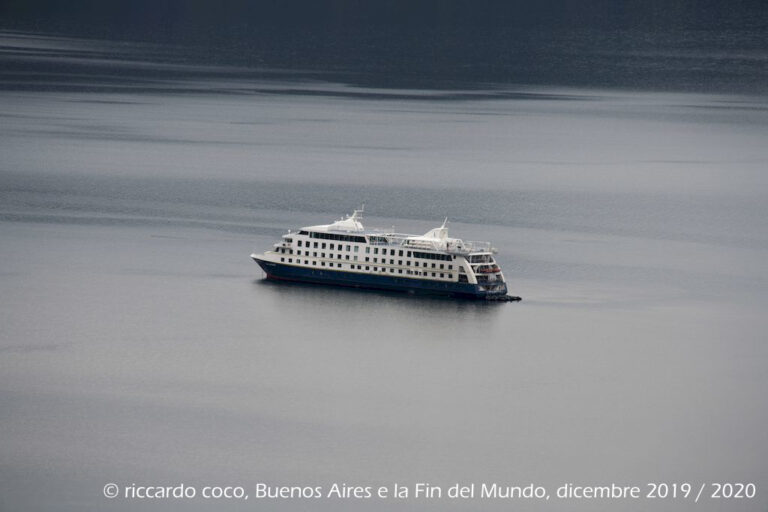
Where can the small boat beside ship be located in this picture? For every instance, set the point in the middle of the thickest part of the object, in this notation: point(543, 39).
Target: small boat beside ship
point(343, 253)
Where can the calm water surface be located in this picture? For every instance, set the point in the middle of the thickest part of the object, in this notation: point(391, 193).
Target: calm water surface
point(139, 343)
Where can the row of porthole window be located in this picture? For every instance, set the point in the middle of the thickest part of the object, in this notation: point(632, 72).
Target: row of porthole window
point(392, 252)
point(367, 259)
point(332, 247)
point(368, 267)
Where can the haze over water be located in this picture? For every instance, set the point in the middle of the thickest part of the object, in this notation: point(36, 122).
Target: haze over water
point(139, 343)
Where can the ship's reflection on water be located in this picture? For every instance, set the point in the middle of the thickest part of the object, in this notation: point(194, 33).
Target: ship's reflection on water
point(346, 297)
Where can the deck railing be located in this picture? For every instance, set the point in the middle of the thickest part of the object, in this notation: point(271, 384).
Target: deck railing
point(455, 246)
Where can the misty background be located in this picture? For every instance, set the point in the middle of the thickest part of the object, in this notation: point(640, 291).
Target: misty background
point(659, 45)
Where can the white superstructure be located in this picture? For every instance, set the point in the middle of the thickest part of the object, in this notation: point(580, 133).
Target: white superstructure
point(432, 261)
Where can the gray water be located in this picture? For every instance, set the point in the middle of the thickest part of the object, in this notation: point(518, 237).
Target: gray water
point(140, 344)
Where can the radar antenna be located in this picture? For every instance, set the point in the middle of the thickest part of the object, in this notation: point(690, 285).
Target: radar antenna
point(358, 214)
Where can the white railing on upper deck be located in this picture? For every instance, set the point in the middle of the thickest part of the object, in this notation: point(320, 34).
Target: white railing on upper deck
point(480, 246)
point(452, 245)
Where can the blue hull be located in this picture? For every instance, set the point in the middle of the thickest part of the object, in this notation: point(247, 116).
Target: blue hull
point(380, 282)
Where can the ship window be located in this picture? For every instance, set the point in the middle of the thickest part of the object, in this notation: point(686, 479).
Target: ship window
point(400, 253)
point(347, 256)
point(315, 246)
point(314, 263)
point(323, 245)
point(409, 254)
point(302, 232)
point(450, 267)
point(374, 269)
point(356, 248)
point(367, 250)
point(322, 263)
point(282, 259)
point(441, 275)
point(433, 265)
point(399, 262)
point(367, 268)
point(391, 262)
point(349, 248)
point(376, 250)
point(375, 260)
point(322, 255)
point(391, 271)
point(367, 258)
point(330, 246)
point(442, 266)
point(408, 263)
point(359, 267)
point(338, 265)
point(299, 243)
point(399, 271)
point(355, 258)
point(433, 274)
point(314, 254)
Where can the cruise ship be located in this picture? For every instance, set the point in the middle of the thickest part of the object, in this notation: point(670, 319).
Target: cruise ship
point(344, 253)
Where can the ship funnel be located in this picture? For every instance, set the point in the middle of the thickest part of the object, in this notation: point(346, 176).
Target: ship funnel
point(440, 233)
